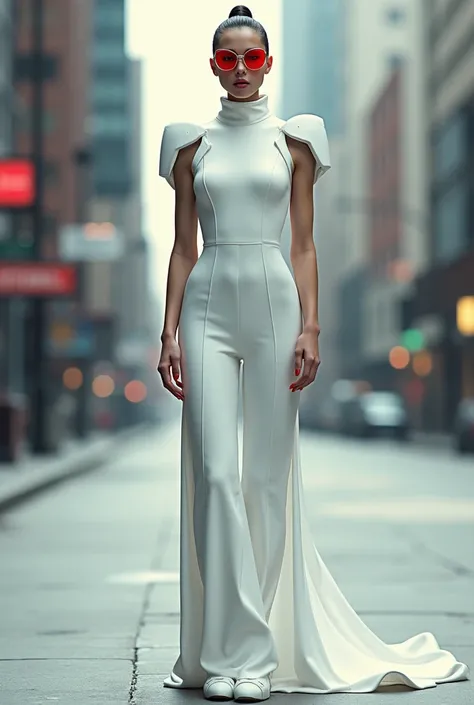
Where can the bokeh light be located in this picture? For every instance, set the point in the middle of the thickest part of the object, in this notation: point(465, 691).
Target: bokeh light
point(399, 357)
point(103, 386)
point(135, 391)
point(422, 363)
point(72, 378)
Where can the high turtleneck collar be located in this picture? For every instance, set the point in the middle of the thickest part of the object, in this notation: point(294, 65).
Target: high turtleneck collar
point(236, 112)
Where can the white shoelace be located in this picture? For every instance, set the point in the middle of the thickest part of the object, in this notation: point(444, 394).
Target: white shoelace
point(261, 683)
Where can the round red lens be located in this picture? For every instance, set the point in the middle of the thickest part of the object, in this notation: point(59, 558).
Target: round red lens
point(225, 60)
point(254, 59)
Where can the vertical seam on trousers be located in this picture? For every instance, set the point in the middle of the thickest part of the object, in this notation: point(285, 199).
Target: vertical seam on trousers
point(238, 296)
point(270, 459)
point(211, 278)
point(202, 379)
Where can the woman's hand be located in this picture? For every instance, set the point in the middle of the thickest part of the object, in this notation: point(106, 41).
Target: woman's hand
point(307, 352)
point(170, 359)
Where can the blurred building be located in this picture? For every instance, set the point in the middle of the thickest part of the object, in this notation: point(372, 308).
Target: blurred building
point(132, 290)
point(441, 304)
point(383, 201)
point(313, 66)
point(398, 213)
point(313, 82)
point(65, 74)
point(109, 129)
point(92, 201)
point(65, 71)
point(6, 90)
point(118, 291)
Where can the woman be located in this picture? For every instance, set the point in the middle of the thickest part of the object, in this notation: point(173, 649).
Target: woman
point(256, 598)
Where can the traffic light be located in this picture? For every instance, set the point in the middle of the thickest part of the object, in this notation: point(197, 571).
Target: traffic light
point(413, 340)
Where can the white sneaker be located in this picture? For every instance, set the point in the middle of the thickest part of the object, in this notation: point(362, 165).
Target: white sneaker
point(219, 688)
point(252, 690)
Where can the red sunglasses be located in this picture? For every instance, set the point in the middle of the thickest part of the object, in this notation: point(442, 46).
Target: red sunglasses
point(254, 59)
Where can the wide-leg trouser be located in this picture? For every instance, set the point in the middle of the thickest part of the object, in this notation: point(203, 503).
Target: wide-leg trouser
point(240, 303)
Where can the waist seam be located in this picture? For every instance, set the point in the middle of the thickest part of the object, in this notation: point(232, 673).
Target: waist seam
point(242, 242)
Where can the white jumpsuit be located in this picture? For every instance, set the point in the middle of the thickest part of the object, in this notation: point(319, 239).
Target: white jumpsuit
point(256, 597)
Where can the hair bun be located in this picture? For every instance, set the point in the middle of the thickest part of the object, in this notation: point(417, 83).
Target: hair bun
point(240, 10)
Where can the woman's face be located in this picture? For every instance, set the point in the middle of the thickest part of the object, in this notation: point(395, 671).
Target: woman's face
point(239, 40)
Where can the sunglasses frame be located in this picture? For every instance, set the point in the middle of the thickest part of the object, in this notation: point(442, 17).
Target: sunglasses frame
point(240, 56)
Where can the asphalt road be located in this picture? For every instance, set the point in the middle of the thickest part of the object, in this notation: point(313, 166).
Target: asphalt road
point(88, 571)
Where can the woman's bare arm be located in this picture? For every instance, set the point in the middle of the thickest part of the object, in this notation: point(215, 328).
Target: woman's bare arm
point(304, 261)
point(182, 259)
point(184, 253)
point(303, 251)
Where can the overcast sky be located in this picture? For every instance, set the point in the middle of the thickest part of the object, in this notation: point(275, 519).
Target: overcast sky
point(175, 45)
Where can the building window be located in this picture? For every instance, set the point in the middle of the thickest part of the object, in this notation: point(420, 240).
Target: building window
point(110, 15)
point(49, 122)
point(109, 92)
point(108, 50)
point(110, 124)
point(450, 222)
point(51, 173)
point(50, 223)
point(450, 148)
point(51, 14)
point(24, 67)
point(23, 120)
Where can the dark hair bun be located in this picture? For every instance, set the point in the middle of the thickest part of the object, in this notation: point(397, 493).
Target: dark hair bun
point(240, 10)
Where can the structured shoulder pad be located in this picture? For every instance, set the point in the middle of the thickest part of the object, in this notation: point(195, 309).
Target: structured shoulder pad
point(176, 135)
point(310, 129)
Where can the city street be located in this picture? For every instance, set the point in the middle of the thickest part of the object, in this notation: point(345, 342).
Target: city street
point(89, 582)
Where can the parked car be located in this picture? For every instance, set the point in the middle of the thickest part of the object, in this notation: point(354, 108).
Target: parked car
point(464, 426)
point(376, 414)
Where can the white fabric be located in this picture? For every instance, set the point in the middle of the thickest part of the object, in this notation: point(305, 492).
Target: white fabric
point(310, 130)
point(175, 137)
point(256, 597)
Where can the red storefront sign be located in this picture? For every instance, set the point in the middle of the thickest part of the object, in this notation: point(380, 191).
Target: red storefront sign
point(37, 279)
point(17, 183)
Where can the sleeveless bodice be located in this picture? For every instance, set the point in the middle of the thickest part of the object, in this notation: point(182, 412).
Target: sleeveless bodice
point(243, 172)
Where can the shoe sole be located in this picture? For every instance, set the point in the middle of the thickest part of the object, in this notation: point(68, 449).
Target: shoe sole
point(249, 699)
point(219, 698)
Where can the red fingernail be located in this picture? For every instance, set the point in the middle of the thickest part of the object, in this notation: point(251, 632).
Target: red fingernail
point(297, 371)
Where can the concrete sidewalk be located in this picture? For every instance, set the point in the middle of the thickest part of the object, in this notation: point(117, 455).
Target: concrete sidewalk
point(34, 474)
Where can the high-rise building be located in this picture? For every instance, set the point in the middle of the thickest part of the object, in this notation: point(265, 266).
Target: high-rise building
point(132, 284)
point(109, 127)
point(6, 90)
point(6, 36)
point(376, 40)
point(313, 82)
point(66, 28)
point(383, 196)
point(441, 305)
point(118, 290)
point(313, 60)
point(110, 115)
point(397, 201)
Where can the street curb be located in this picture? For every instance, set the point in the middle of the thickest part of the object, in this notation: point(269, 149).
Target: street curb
point(78, 466)
point(437, 440)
